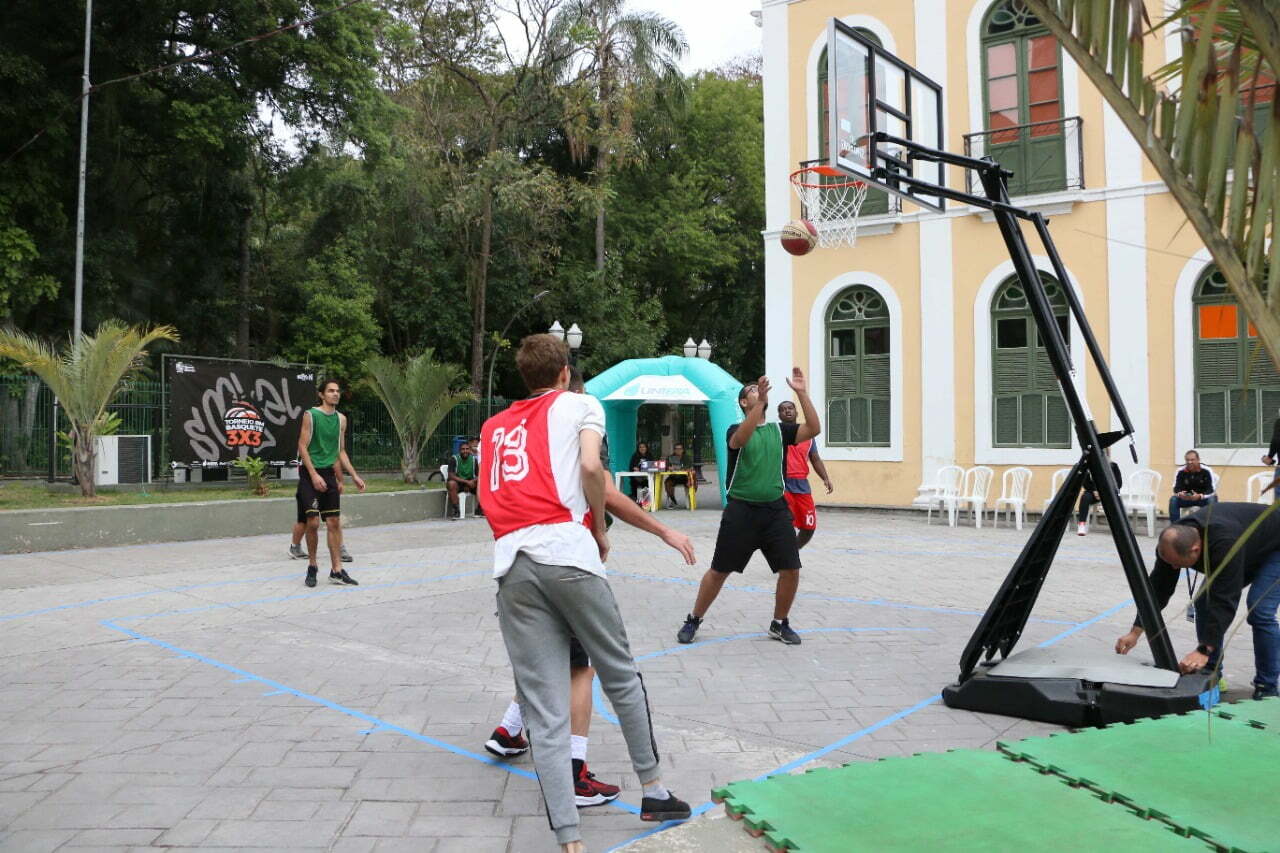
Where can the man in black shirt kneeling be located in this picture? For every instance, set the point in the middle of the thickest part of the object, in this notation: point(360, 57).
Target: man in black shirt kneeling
point(1201, 542)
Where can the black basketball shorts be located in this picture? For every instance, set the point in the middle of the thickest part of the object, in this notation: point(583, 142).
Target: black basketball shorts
point(749, 527)
point(311, 502)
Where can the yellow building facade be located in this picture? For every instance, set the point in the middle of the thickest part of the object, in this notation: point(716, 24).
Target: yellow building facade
point(931, 373)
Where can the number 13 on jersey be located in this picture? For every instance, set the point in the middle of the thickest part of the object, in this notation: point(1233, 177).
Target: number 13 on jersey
point(510, 458)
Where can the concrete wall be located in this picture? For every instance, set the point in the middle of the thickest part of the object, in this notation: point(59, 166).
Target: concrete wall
point(59, 529)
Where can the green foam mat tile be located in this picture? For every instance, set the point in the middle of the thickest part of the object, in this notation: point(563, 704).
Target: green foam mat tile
point(963, 800)
point(1262, 713)
point(1204, 774)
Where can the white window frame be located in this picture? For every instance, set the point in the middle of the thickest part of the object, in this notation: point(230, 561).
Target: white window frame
point(818, 366)
point(984, 450)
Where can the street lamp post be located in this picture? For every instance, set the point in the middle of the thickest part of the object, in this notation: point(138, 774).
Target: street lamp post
point(493, 356)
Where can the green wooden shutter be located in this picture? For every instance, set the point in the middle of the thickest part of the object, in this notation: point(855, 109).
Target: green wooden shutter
point(1244, 417)
point(1212, 417)
point(838, 421)
point(1006, 420)
point(859, 420)
point(1217, 363)
point(1032, 419)
point(880, 420)
point(1057, 422)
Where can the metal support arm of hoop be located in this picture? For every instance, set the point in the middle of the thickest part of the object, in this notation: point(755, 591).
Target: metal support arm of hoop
point(831, 200)
point(1001, 626)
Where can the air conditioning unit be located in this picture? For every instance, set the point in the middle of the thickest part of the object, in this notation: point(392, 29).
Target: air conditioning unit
point(123, 459)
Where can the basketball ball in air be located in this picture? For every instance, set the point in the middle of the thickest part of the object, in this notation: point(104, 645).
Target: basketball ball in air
point(799, 236)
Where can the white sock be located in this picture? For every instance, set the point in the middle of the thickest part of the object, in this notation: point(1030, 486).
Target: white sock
point(656, 791)
point(578, 744)
point(512, 721)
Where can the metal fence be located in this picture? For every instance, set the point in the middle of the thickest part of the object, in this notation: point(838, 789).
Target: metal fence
point(26, 408)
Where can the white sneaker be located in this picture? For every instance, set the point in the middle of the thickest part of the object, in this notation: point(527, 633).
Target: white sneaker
point(1082, 528)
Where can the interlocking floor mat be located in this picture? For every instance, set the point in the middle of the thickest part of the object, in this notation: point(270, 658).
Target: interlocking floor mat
point(963, 800)
point(1264, 714)
point(1210, 776)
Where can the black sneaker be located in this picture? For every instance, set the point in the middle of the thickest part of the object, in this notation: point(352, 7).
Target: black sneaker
point(781, 630)
point(672, 808)
point(343, 577)
point(690, 627)
point(311, 575)
point(1264, 693)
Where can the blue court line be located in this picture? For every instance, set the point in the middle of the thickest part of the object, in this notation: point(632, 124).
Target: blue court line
point(597, 694)
point(375, 723)
point(1110, 611)
point(816, 596)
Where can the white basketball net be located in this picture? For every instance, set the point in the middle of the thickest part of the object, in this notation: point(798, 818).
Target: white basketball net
point(831, 201)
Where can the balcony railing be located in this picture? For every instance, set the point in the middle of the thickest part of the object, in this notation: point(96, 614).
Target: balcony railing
point(1044, 156)
point(877, 203)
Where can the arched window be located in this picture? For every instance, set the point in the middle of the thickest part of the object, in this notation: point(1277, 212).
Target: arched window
point(1237, 387)
point(858, 369)
point(877, 201)
point(1022, 92)
point(1029, 409)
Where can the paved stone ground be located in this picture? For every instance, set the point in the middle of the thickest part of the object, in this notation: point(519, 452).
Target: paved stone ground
point(197, 695)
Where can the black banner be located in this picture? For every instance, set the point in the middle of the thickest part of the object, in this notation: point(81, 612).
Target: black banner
point(220, 411)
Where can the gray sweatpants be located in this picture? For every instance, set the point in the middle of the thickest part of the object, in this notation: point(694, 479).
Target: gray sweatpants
point(539, 607)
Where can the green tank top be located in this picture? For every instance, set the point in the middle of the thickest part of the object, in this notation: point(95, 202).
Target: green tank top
point(757, 470)
point(323, 447)
point(465, 468)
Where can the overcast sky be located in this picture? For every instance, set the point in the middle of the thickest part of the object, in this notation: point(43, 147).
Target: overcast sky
point(717, 30)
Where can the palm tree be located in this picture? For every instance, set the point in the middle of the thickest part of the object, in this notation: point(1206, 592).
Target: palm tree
point(86, 378)
point(1221, 167)
point(618, 54)
point(418, 393)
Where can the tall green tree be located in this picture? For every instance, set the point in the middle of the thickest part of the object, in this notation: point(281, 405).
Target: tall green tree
point(86, 377)
point(619, 57)
point(688, 217)
point(177, 159)
point(480, 76)
point(1221, 165)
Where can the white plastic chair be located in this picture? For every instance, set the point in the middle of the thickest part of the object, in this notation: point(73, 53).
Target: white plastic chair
point(1014, 486)
point(462, 496)
point(973, 495)
point(933, 495)
point(1059, 477)
point(1139, 495)
point(1255, 485)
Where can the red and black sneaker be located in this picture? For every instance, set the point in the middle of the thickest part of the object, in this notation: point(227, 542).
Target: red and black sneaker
point(588, 790)
point(504, 745)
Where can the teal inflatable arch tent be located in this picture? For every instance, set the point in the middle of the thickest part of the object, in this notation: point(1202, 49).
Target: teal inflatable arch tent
point(672, 379)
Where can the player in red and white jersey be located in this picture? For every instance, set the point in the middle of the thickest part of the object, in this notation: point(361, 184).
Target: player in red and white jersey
point(543, 488)
point(795, 479)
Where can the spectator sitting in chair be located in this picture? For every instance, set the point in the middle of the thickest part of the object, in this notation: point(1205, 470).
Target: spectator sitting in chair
point(642, 454)
point(462, 478)
point(1089, 496)
point(1192, 486)
point(679, 460)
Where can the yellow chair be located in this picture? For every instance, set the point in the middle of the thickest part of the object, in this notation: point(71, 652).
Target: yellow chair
point(690, 487)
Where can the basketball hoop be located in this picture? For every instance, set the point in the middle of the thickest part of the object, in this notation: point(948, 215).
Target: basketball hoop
point(831, 200)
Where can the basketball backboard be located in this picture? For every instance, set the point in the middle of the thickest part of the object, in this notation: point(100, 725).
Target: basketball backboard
point(872, 90)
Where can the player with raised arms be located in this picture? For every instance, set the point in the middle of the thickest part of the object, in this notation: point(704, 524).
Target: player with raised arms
point(756, 516)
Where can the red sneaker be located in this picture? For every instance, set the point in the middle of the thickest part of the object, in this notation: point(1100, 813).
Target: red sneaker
point(588, 790)
point(504, 745)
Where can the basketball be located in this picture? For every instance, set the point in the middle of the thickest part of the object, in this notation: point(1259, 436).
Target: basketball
point(799, 236)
